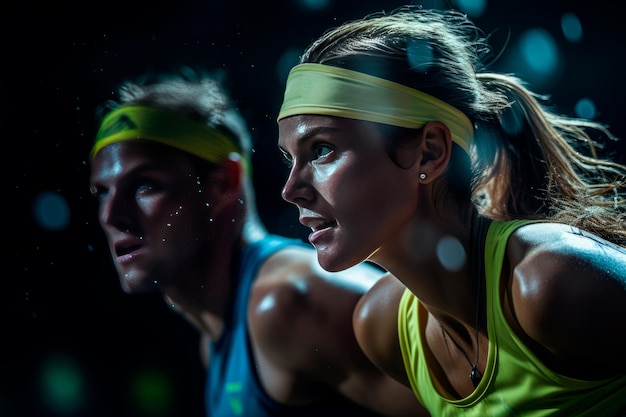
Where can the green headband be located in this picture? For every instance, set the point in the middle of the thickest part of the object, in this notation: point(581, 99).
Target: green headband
point(166, 127)
point(328, 90)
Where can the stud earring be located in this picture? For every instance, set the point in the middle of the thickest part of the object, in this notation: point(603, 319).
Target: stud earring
point(422, 176)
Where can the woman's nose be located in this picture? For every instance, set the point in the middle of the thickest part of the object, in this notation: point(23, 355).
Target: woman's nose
point(296, 188)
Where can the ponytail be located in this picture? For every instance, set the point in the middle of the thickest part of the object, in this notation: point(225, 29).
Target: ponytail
point(538, 164)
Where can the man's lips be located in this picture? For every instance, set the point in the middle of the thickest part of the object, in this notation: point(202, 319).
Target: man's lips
point(126, 247)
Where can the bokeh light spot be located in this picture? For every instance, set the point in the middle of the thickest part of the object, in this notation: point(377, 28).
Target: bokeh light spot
point(585, 108)
point(62, 385)
point(152, 393)
point(420, 55)
point(571, 27)
point(539, 51)
point(287, 60)
point(315, 5)
point(512, 121)
point(474, 8)
point(451, 253)
point(51, 211)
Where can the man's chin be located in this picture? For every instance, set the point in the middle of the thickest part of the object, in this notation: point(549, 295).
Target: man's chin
point(137, 283)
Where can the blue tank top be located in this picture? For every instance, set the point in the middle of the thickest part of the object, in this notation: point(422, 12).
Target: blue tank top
point(233, 388)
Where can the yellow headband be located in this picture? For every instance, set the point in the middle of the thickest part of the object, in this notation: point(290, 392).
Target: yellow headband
point(164, 126)
point(328, 90)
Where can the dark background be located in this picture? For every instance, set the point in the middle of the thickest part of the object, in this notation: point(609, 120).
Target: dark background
point(73, 343)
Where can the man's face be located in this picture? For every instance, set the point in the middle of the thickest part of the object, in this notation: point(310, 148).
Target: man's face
point(154, 210)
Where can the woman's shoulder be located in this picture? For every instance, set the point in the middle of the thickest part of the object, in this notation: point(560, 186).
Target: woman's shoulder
point(560, 261)
point(563, 285)
point(542, 241)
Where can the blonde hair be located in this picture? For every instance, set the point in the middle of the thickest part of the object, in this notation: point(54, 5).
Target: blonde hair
point(526, 160)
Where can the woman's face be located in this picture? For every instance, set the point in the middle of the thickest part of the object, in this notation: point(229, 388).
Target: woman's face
point(348, 191)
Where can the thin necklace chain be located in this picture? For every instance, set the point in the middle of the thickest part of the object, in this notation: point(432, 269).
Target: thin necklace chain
point(475, 375)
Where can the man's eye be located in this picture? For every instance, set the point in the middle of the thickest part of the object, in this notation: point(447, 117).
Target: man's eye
point(97, 191)
point(145, 187)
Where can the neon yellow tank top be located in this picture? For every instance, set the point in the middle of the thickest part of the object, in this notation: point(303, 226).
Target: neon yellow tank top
point(515, 382)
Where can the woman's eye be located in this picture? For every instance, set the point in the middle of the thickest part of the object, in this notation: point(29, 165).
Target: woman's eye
point(286, 158)
point(322, 150)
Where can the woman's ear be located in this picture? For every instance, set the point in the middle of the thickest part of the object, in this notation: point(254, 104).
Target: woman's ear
point(435, 150)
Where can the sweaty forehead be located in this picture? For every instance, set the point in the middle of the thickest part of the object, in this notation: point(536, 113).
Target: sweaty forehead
point(141, 148)
point(294, 130)
point(122, 156)
point(304, 125)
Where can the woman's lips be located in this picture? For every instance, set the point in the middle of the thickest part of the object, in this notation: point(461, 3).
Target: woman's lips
point(319, 230)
